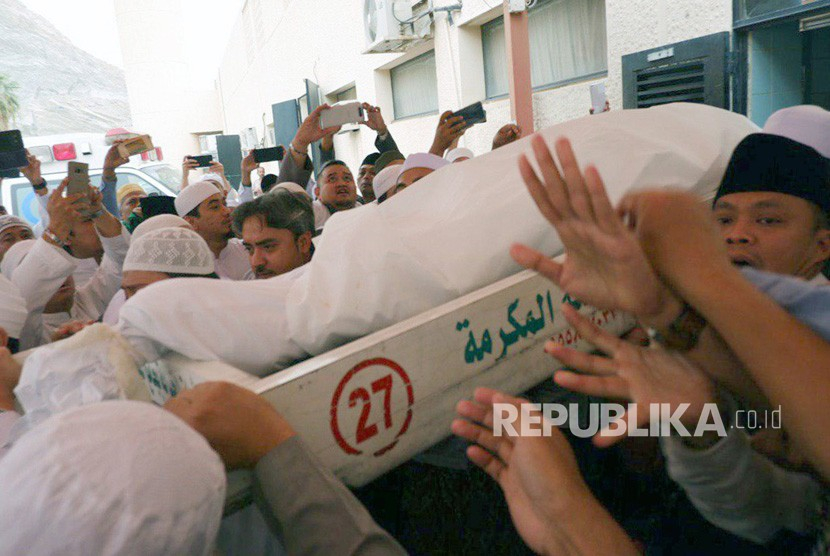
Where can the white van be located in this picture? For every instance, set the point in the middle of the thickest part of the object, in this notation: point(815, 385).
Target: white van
point(56, 151)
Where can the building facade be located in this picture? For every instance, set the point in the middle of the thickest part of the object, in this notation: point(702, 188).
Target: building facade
point(752, 56)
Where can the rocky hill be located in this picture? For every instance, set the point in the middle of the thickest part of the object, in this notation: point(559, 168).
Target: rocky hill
point(62, 87)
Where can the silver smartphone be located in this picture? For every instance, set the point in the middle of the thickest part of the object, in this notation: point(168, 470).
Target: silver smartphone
point(78, 178)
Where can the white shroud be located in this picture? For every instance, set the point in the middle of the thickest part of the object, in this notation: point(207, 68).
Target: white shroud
point(449, 235)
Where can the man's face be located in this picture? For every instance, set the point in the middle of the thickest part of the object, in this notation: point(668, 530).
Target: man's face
point(84, 241)
point(364, 180)
point(3, 211)
point(214, 220)
point(130, 203)
point(63, 299)
point(337, 187)
point(273, 251)
point(12, 235)
point(134, 280)
point(773, 232)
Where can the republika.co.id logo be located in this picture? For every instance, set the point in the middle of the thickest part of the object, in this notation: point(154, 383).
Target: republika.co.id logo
point(534, 419)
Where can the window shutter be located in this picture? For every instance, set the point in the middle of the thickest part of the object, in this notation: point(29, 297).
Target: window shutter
point(690, 71)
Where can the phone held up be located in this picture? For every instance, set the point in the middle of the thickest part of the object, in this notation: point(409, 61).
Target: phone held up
point(342, 113)
point(269, 154)
point(473, 114)
point(203, 160)
point(135, 145)
point(12, 151)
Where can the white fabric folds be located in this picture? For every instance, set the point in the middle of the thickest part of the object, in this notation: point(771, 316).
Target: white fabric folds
point(444, 237)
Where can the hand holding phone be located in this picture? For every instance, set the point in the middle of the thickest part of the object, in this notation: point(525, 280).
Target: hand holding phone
point(270, 154)
point(473, 114)
point(78, 178)
point(202, 160)
point(347, 112)
point(135, 145)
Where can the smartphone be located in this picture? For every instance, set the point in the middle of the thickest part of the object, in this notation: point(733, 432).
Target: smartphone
point(473, 114)
point(346, 112)
point(269, 155)
point(78, 178)
point(135, 145)
point(10, 173)
point(157, 204)
point(204, 160)
point(12, 151)
point(598, 98)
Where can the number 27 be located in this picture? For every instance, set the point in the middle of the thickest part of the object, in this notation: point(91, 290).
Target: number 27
point(361, 394)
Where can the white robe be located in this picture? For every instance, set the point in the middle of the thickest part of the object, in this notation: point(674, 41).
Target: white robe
point(47, 267)
point(233, 262)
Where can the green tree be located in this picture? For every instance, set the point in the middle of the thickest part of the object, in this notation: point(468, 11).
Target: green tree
point(9, 104)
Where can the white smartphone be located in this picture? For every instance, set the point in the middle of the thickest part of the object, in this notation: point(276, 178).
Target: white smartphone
point(598, 98)
point(347, 112)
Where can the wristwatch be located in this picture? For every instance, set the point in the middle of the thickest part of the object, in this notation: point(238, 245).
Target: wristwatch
point(684, 331)
point(41, 185)
point(54, 237)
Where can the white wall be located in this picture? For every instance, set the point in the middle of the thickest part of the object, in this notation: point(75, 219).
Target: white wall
point(162, 102)
point(275, 44)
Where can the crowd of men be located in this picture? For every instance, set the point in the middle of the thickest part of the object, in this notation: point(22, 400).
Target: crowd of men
point(697, 275)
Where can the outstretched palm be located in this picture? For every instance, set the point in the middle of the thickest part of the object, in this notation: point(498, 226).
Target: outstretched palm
point(604, 264)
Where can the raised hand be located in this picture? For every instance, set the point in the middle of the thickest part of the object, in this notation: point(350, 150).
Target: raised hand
point(643, 376)
point(310, 130)
point(374, 119)
point(550, 504)
point(604, 264)
point(113, 160)
point(506, 135)
point(32, 169)
point(63, 213)
point(450, 128)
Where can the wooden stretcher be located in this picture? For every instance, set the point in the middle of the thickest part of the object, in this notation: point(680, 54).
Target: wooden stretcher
point(374, 403)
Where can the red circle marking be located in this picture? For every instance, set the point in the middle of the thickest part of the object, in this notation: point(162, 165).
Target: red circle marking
point(335, 401)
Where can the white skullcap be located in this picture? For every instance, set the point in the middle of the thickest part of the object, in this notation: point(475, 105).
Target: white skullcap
point(386, 180)
point(460, 152)
point(216, 179)
point(423, 160)
point(11, 221)
point(157, 223)
point(178, 250)
point(806, 124)
point(290, 186)
point(194, 195)
point(15, 255)
point(112, 478)
point(13, 310)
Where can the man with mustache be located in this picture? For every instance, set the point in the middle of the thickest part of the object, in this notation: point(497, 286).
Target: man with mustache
point(276, 231)
point(336, 191)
